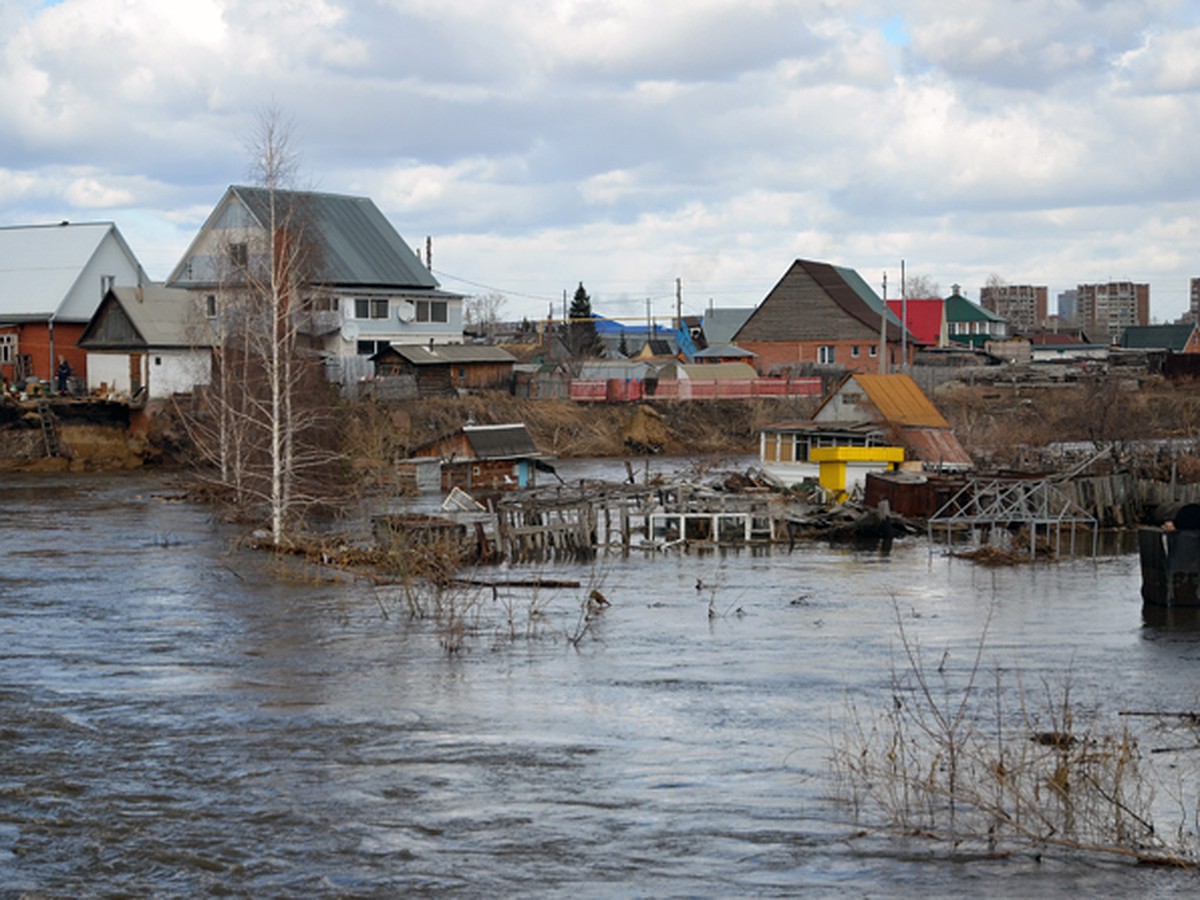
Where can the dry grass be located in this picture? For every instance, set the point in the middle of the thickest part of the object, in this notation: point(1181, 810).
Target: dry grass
point(999, 423)
point(1001, 769)
point(377, 434)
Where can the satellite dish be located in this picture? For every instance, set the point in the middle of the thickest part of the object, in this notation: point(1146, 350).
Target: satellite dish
point(406, 312)
point(349, 331)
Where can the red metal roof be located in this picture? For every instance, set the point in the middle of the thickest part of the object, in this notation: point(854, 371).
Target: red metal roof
point(925, 318)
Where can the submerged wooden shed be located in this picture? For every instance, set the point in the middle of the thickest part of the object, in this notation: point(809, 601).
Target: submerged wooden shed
point(487, 456)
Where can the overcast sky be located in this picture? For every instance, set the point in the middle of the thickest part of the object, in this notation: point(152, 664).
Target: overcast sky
point(627, 143)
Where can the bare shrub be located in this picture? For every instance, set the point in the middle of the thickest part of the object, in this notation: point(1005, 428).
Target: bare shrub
point(1000, 769)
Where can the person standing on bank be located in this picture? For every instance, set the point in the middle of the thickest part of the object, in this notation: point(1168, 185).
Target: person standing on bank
point(64, 374)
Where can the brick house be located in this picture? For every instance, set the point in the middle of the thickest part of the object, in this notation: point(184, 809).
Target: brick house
point(825, 316)
point(52, 279)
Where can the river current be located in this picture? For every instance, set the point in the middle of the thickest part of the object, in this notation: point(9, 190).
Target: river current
point(181, 717)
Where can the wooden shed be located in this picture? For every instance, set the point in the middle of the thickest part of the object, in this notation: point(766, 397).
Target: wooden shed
point(496, 457)
point(444, 369)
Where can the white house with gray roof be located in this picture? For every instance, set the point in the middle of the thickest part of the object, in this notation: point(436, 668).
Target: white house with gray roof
point(52, 279)
point(368, 289)
point(151, 341)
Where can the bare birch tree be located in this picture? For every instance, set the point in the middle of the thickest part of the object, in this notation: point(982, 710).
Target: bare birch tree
point(268, 434)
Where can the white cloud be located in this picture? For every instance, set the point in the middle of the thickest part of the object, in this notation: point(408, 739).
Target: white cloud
point(91, 193)
point(625, 143)
point(1166, 62)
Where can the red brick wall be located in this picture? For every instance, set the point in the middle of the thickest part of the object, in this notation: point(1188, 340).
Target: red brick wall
point(778, 354)
point(33, 340)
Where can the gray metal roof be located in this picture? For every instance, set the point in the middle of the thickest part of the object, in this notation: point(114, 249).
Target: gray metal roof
point(723, 351)
point(152, 316)
point(450, 354)
point(720, 325)
point(360, 246)
point(40, 264)
point(500, 441)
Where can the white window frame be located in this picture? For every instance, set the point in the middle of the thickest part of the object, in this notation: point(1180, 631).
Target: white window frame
point(827, 354)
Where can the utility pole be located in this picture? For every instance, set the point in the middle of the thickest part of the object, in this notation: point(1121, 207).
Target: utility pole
point(649, 321)
point(883, 331)
point(678, 304)
point(903, 320)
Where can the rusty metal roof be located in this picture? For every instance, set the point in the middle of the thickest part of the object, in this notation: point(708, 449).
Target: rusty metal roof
point(936, 447)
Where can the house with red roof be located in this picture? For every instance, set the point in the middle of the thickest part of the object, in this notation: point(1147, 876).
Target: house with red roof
point(925, 319)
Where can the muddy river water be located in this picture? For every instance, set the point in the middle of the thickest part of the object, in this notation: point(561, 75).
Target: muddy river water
point(179, 717)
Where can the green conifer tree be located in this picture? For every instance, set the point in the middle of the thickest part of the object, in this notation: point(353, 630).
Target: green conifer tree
point(583, 340)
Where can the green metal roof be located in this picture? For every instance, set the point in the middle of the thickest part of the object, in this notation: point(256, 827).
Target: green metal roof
point(1157, 337)
point(856, 283)
point(960, 309)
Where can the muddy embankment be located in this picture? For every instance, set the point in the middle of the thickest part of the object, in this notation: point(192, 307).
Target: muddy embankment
point(77, 437)
point(564, 429)
point(94, 438)
point(996, 424)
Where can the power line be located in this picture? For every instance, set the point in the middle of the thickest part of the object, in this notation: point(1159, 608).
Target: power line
point(554, 298)
point(496, 290)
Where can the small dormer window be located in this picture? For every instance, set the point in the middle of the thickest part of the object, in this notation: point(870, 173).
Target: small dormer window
point(238, 254)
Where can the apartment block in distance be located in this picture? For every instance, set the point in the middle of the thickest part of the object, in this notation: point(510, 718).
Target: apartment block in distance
point(1023, 305)
point(1106, 310)
point(1194, 302)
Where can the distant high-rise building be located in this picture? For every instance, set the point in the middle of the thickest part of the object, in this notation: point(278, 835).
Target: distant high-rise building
point(1194, 303)
point(1106, 310)
point(1068, 307)
point(1023, 305)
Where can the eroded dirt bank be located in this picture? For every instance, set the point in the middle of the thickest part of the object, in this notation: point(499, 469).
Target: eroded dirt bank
point(994, 423)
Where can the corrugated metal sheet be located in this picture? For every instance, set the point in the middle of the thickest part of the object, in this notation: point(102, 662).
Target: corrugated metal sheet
point(161, 316)
point(723, 351)
point(500, 441)
point(720, 325)
point(451, 354)
point(909, 494)
point(936, 447)
point(900, 401)
point(716, 371)
point(360, 245)
point(39, 264)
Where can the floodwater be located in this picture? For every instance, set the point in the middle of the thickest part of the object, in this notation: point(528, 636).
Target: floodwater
point(178, 717)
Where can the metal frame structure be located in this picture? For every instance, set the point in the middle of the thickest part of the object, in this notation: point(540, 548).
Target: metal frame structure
point(1002, 503)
